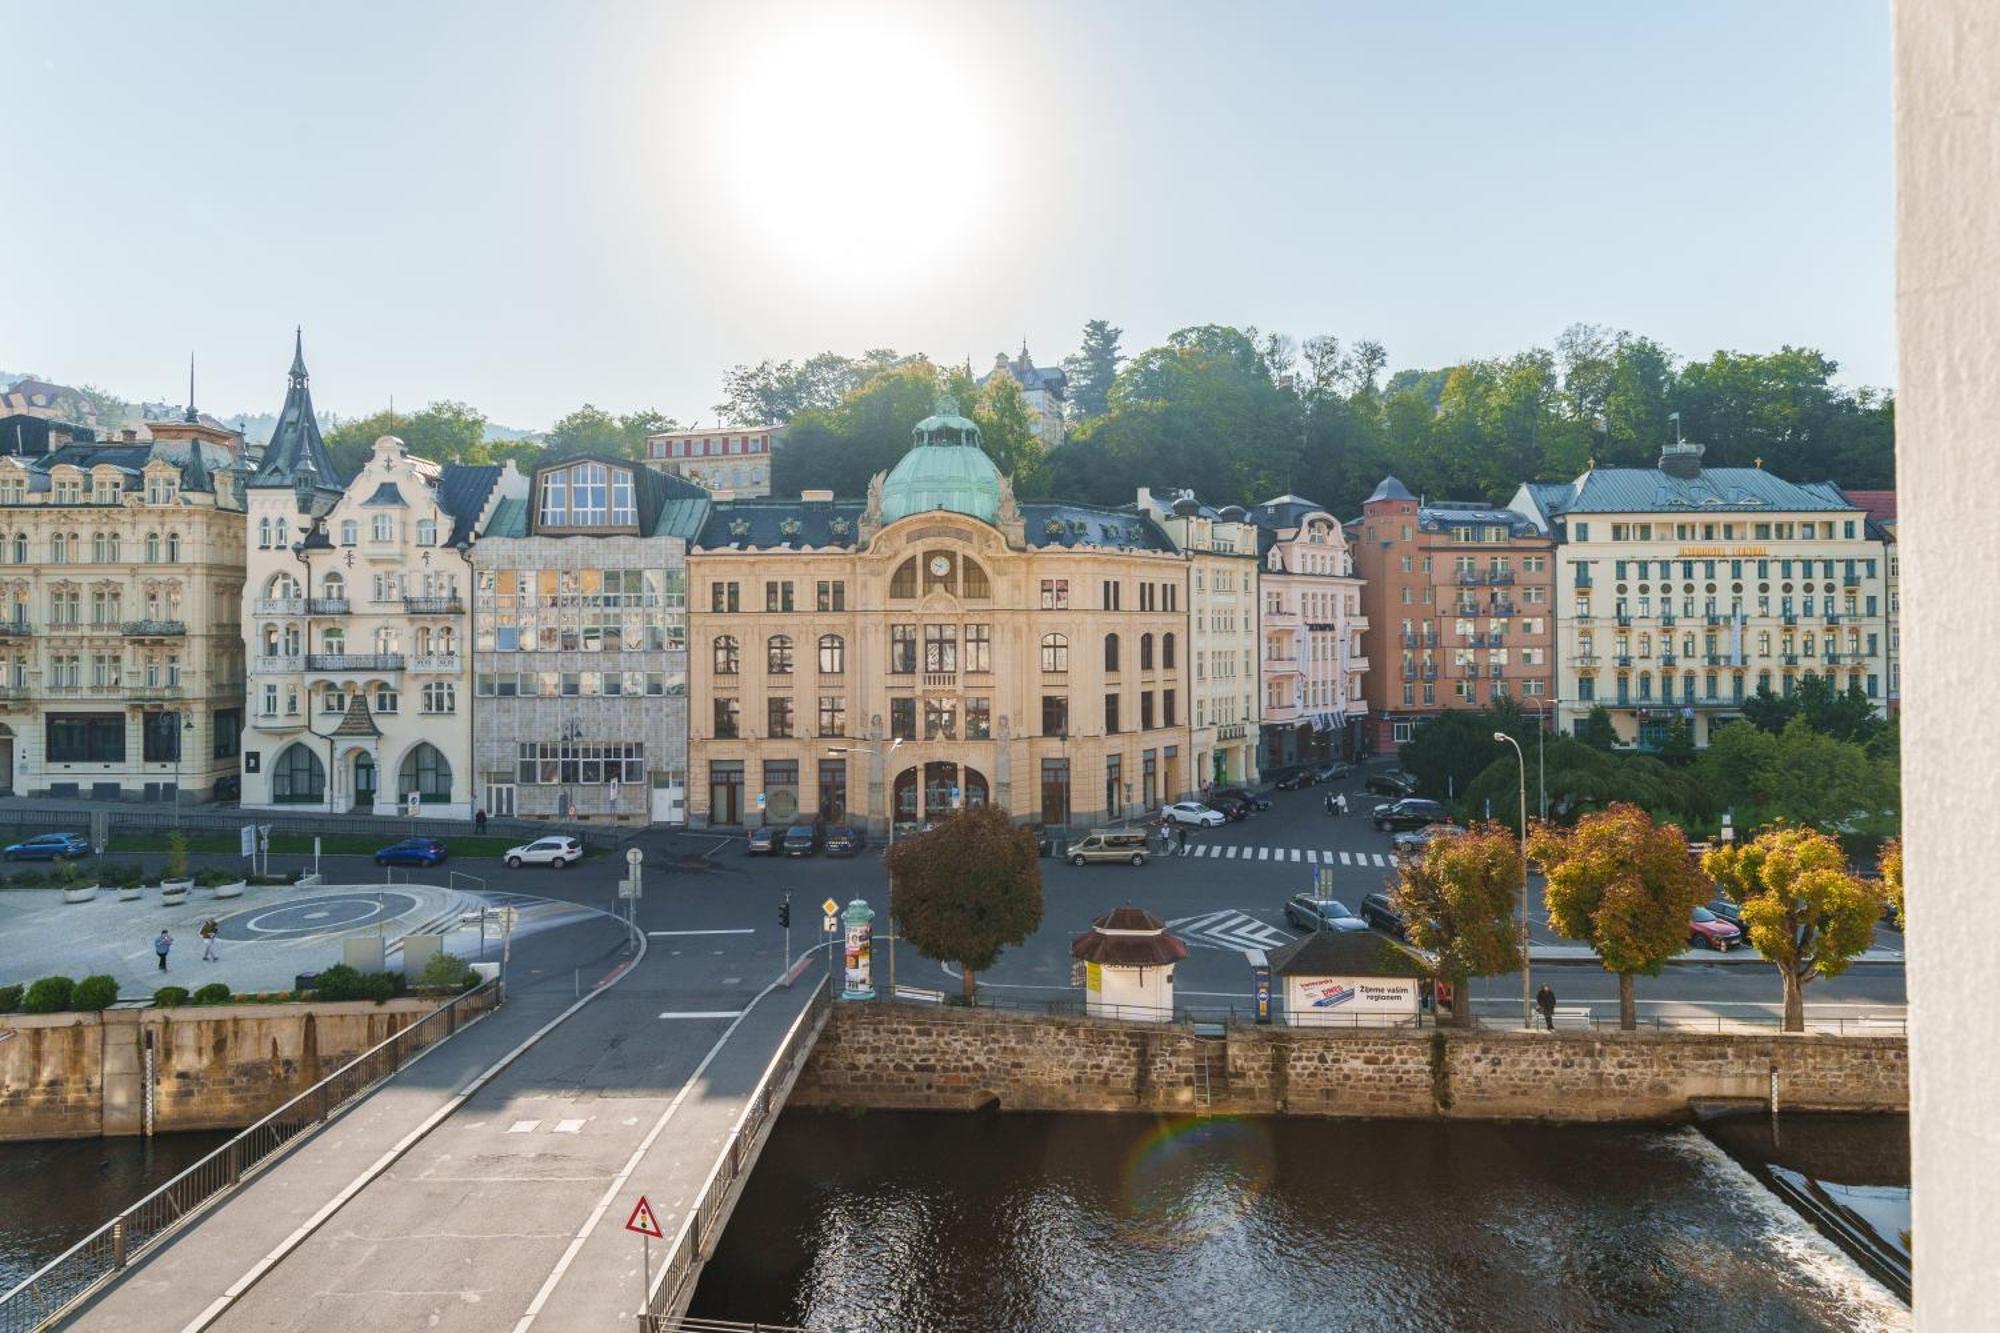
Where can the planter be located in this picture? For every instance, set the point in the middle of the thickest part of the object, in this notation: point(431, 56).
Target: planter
point(172, 897)
point(180, 886)
point(85, 894)
point(130, 893)
point(233, 889)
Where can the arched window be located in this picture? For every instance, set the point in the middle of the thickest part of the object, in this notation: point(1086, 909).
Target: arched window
point(153, 547)
point(350, 532)
point(270, 640)
point(904, 582)
point(976, 584)
point(59, 549)
point(284, 533)
point(425, 772)
point(1111, 652)
point(779, 655)
point(333, 587)
point(832, 655)
point(100, 548)
point(282, 587)
point(333, 640)
point(1055, 652)
point(1145, 652)
point(1167, 652)
point(728, 655)
point(20, 548)
point(298, 776)
point(173, 548)
point(291, 641)
point(263, 537)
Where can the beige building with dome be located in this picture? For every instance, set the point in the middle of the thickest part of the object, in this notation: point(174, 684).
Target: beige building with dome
point(937, 644)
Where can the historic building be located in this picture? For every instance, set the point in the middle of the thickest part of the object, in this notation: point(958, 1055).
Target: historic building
point(1310, 621)
point(122, 569)
point(356, 613)
point(1043, 389)
point(725, 460)
point(1881, 507)
point(1684, 589)
point(1460, 600)
point(939, 644)
point(580, 643)
point(1220, 547)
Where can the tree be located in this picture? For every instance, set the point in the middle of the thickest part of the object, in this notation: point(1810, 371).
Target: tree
point(1767, 711)
point(967, 889)
point(1459, 900)
point(444, 432)
point(1800, 776)
point(1445, 753)
point(592, 430)
point(1806, 912)
point(868, 431)
point(1890, 863)
point(1623, 884)
point(772, 393)
point(1092, 368)
point(1596, 729)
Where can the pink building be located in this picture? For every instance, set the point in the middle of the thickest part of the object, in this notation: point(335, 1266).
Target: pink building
point(734, 461)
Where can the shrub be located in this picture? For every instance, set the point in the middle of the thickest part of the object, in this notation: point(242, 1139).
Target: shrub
point(29, 879)
point(444, 970)
point(69, 875)
point(177, 855)
point(215, 992)
point(95, 994)
point(208, 879)
point(339, 982)
point(124, 874)
point(170, 997)
point(10, 998)
point(380, 986)
point(50, 995)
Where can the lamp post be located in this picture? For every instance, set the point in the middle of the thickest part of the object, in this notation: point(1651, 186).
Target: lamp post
point(180, 747)
point(1543, 711)
point(876, 749)
point(1527, 986)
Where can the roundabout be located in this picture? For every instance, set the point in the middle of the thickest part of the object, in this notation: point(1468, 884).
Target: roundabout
point(326, 914)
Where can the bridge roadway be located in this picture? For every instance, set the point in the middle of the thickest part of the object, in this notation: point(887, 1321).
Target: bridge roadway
point(506, 1209)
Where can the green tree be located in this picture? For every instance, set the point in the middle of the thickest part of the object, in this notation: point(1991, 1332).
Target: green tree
point(592, 430)
point(1445, 753)
point(1596, 729)
point(1767, 711)
point(1624, 885)
point(1459, 900)
point(1807, 913)
point(967, 889)
point(1092, 368)
point(444, 432)
point(1008, 434)
point(839, 449)
point(771, 393)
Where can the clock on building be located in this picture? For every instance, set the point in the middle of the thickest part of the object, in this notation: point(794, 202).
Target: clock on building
point(940, 565)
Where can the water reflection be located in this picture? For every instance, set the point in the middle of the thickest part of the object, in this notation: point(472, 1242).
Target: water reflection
point(892, 1221)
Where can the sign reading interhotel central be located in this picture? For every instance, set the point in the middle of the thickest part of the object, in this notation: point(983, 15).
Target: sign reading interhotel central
point(1710, 552)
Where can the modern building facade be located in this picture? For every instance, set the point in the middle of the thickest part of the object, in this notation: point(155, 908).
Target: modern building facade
point(1043, 389)
point(1684, 589)
point(1312, 664)
point(1461, 607)
point(121, 567)
point(939, 644)
point(733, 460)
point(580, 643)
point(356, 608)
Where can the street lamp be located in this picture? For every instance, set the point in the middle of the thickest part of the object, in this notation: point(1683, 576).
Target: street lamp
point(180, 747)
point(1527, 992)
point(877, 749)
point(1543, 711)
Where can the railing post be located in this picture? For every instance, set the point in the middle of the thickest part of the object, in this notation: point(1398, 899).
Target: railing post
point(118, 1241)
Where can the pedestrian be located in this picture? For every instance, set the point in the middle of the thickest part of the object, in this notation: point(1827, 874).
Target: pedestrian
point(1181, 832)
point(1329, 802)
point(161, 945)
point(1340, 803)
point(479, 820)
point(209, 930)
point(1545, 1000)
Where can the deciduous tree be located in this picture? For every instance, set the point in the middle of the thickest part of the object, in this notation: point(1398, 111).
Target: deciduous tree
point(1459, 902)
point(1891, 865)
point(1624, 885)
point(1806, 912)
point(967, 889)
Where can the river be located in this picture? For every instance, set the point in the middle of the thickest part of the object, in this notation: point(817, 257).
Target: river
point(914, 1220)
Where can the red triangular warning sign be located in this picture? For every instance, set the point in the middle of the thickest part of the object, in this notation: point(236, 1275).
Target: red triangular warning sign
point(643, 1222)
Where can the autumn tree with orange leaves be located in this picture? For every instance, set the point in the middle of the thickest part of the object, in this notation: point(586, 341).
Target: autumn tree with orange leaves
point(1458, 902)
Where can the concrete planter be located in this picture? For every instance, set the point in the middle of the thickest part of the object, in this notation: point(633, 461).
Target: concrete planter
point(173, 893)
point(233, 889)
point(180, 886)
point(130, 893)
point(85, 894)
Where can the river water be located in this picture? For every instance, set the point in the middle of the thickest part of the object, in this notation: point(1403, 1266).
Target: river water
point(926, 1221)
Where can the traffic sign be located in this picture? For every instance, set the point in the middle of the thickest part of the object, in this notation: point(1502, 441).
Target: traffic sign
point(643, 1221)
point(829, 907)
point(830, 923)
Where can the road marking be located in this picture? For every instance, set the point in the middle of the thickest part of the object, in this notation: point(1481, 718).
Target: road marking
point(568, 1127)
point(1229, 930)
point(703, 1013)
point(1230, 853)
point(1263, 853)
point(524, 1127)
point(1295, 854)
point(740, 930)
point(1329, 857)
point(1345, 859)
point(1312, 856)
point(1381, 860)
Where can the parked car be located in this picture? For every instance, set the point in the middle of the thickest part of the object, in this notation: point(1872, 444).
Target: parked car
point(1409, 813)
point(1193, 814)
point(1706, 928)
point(1332, 772)
point(1413, 842)
point(804, 839)
point(1292, 779)
point(1732, 912)
point(560, 852)
point(1233, 810)
point(1127, 845)
point(1379, 912)
point(229, 788)
point(842, 840)
point(1392, 782)
point(1242, 795)
point(1309, 911)
point(413, 852)
point(50, 847)
point(762, 841)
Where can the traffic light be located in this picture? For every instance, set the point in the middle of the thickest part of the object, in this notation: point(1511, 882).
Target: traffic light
point(785, 913)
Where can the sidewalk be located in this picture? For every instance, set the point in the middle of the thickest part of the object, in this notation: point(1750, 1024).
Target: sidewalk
point(1583, 953)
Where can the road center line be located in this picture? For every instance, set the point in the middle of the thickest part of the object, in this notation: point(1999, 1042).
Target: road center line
point(703, 1013)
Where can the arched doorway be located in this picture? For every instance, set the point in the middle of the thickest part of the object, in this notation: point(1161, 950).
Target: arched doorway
point(916, 803)
point(298, 777)
point(426, 772)
point(364, 781)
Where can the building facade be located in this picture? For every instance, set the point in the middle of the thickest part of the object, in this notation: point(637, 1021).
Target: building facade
point(1881, 507)
point(580, 643)
point(733, 460)
point(1043, 390)
point(1311, 662)
point(356, 611)
point(1461, 606)
point(122, 566)
point(1684, 589)
point(937, 645)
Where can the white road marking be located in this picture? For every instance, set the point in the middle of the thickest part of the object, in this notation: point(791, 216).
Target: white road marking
point(1295, 854)
point(568, 1127)
point(1346, 860)
point(1230, 853)
point(1312, 856)
point(741, 930)
point(1263, 853)
point(703, 1013)
point(1329, 857)
point(524, 1127)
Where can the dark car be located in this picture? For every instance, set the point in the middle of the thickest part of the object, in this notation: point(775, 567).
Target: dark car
point(1232, 809)
point(413, 852)
point(1408, 813)
point(1309, 911)
point(1379, 912)
point(50, 847)
point(1416, 840)
point(1394, 782)
point(1243, 795)
point(229, 788)
point(1332, 772)
point(805, 839)
point(1292, 779)
point(1732, 912)
point(844, 841)
point(762, 842)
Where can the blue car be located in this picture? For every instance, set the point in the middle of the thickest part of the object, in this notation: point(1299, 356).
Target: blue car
point(413, 852)
point(50, 847)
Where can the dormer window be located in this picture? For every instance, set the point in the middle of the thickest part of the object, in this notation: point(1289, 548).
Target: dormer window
point(588, 495)
point(427, 532)
point(161, 490)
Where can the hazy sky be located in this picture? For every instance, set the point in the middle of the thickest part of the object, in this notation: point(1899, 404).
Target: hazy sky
point(526, 206)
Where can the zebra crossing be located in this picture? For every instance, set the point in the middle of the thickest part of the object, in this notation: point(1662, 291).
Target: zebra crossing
point(1237, 932)
point(1311, 856)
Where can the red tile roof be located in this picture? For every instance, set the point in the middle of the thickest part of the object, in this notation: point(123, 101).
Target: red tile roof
point(1881, 505)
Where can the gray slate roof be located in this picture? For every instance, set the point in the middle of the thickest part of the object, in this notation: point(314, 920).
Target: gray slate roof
point(1635, 490)
point(1390, 489)
point(760, 523)
point(295, 446)
point(1346, 953)
point(462, 491)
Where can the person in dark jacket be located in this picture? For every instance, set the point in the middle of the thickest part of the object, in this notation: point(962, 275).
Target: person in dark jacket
point(1545, 1000)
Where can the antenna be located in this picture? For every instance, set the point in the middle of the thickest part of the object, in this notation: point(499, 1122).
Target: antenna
point(192, 416)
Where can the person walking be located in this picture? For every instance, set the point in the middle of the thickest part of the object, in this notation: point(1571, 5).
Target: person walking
point(1329, 802)
point(1181, 833)
point(161, 945)
point(1340, 803)
point(209, 930)
point(479, 820)
point(1545, 1000)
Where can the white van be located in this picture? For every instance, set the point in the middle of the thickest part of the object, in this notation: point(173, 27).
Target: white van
point(1110, 845)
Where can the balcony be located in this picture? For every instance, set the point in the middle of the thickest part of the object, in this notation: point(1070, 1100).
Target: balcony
point(1470, 578)
point(16, 629)
point(1430, 673)
point(354, 661)
point(1500, 577)
point(327, 606)
point(1496, 671)
point(1789, 617)
point(940, 680)
point(1716, 618)
point(1230, 731)
point(1834, 659)
point(1833, 617)
point(1718, 659)
point(1357, 664)
point(280, 606)
point(1409, 673)
point(156, 693)
point(1622, 660)
point(1583, 581)
point(1468, 669)
point(1668, 659)
point(115, 690)
point(434, 606)
point(276, 666)
point(1789, 659)
point(1584, 661)
point(1623, 617)
point(1502, 609)
point(154, 629)
point(444, 664)
point(1668, 618)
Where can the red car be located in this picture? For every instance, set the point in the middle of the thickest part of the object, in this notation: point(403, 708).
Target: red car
point(1706, 928)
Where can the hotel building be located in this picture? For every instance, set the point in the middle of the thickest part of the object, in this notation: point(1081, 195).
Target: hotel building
point(732, 460)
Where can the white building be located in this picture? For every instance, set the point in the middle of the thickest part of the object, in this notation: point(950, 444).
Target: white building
point(1043, 389)
point(1310, 620)
point(732, 461)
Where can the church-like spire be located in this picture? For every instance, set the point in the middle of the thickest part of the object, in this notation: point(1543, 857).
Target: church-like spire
point(195, 475)
point(299, 354)
point(296, 454)
point(192, 415)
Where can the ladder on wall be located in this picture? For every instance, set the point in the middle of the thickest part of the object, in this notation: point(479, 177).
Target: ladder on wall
point(1204, 1096)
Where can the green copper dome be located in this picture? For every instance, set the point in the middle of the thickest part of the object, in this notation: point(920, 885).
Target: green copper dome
point(945, 469)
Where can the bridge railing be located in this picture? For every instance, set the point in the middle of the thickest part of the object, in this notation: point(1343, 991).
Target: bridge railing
point(701, 1229)
point(79, 1271)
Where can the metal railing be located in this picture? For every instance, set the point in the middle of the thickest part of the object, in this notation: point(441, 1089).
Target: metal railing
point(434, 606)
point(154, 629)
point(701, 1229)
point(354, 661)
point(77, 1272)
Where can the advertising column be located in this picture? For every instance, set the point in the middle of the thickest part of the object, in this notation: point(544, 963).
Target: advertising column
point(858, 918)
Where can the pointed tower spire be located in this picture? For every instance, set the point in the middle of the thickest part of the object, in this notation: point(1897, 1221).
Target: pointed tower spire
point(299, 375)
point(192, 415)
point(296, 454)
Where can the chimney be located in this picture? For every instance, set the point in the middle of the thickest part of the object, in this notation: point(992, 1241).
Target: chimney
point(1682, 459)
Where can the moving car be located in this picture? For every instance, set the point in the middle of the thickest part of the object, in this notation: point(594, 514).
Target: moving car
point(1415, 840)
point(1232, 809)
point(1390, 782)
point(1309, 911)
point(1242, 795)
point(1332, 772)
point(844, 841)
point(762, 841)
point(1127, 845)
point(560, 852)
point(1379, 912)
point(1411, 812)
point(413, 852)
point(1292, 779)
point(1706, 928)
point(804, 839)
point(50, 847)
point(1193, 814)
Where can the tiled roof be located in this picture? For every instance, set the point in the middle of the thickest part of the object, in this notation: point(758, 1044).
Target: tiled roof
point(1053, 523)
point(1633, 490)
point(1881, 505)
point(1346, 953)
point(761, 524)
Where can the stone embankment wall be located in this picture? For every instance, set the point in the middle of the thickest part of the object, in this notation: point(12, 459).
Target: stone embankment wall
point(909, 1056)
point(65, 1076)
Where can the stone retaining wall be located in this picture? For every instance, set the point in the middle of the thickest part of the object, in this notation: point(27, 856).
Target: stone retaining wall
point(919, 1056)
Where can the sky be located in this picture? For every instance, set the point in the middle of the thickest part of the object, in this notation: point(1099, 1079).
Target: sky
point(530, 206)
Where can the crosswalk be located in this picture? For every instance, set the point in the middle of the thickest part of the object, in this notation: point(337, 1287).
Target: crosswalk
point(1228, 929)
point(1311, 856)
